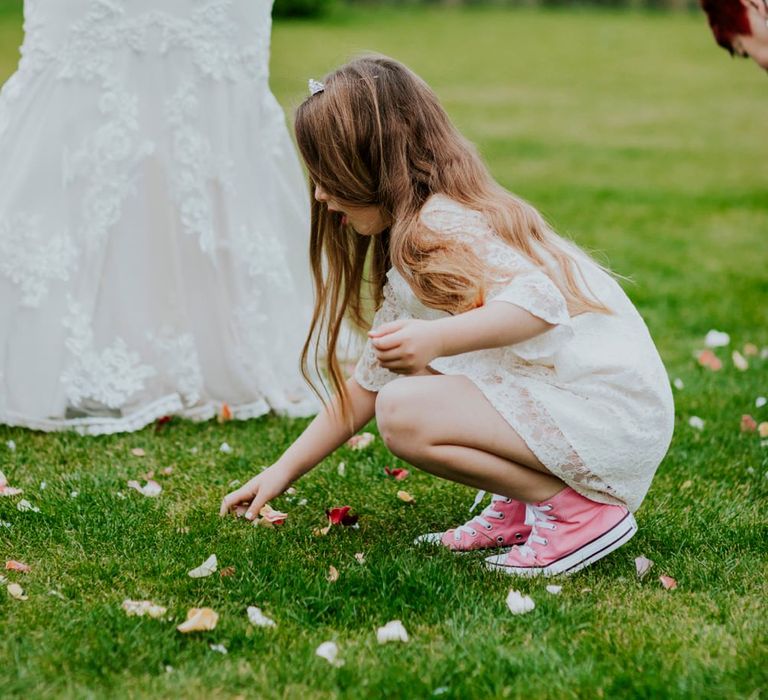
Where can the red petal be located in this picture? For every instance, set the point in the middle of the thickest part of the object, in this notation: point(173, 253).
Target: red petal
point(336, 515)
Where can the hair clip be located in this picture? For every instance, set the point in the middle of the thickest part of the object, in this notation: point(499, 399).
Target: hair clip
point(315, 86)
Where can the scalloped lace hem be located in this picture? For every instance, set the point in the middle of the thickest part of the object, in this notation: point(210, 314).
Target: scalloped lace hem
point(171, 405)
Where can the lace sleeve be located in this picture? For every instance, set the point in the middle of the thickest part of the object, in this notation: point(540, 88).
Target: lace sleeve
point(516, 279)
point(369, 374)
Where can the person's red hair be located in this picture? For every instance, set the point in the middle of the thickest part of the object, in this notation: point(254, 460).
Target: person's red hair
point(727, 18)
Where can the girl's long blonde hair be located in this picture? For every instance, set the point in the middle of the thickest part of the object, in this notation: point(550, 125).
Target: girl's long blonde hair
point(377, 135)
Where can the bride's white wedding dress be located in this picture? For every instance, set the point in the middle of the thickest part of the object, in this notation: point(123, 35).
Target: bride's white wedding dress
point(153, 219)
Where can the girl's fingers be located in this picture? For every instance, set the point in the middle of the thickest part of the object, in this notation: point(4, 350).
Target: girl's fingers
point(385, 329)
point(387, 342)
point(255, 508)
point(244, 493)
point(390, 356)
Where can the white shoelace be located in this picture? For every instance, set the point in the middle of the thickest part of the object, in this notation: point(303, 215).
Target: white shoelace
point(488, 512)
point(536, 517)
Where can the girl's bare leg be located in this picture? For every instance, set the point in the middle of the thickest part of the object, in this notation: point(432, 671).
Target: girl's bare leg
point(444, 425)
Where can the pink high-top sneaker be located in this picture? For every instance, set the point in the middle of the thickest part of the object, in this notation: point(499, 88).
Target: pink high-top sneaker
point(501, 524)
point(569, 532)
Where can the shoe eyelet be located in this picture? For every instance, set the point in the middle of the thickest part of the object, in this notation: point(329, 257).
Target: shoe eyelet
point(488, 526)
point(518, 536)
point(500, 539)
point(473, 533)
point(546, 542)
point(507, 500)
point(501, 516)
point(554, 527)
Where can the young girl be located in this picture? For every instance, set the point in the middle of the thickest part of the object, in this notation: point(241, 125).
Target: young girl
point(501, 355)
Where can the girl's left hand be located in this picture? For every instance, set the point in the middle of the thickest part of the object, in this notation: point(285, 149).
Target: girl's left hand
point(406, 347)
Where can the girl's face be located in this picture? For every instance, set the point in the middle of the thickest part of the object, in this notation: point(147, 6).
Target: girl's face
point(755, 45)
point(368, 220)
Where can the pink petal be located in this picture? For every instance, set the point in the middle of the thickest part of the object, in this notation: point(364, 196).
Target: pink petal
point(748, 424)
point(138, 452)
point(669, 583)
point(13, 565)
point(398, 473)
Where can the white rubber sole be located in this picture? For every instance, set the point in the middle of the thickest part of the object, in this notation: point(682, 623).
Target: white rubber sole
point(588, 554)
point(435, 538)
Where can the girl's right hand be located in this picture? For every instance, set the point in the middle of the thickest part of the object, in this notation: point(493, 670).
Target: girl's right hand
point(255, 494)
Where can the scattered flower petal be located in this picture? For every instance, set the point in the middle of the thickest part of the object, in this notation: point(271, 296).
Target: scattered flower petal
point(696, 423)
point(225, 413)
point(234, 483)
point(393, 631)
point(56, 594)
point(205, 569)
point(6, 524)
point(709, 360)
point(13, 565)
point(330, 652)
point(519, 604)
point(716, 339)
point(139, 608)
point(554, 590)
point(405, 497)
point(6, 490)
point(302, 502)
point(764, 354)
point(120, 495)
point(3, 580)
point(321, 531)
point(199, 620)
point(16, 591)
point(290, 491)
point(360, 442)
point(43, 485)
point(167, 471)
point(218, 648)
point(360, 558)
point(258, 618)
point(750, 349)
point(398, 473)
point(138, 452)
point(74, 494)
point(762, 429)
point(668, 582)
point(193, 450)
point(182, 530)
point(678, 384)
point(227, 571)
point(748, 424)
point(26, 507)
point(333, 574)
point(686, 484)
point(272, 516)
point(341, 470)
point(341, 516)
point(225, 448)
point(11, 445)
point(151, 489)
point(760, 401)
point(643, 566)
point(161, 422)
point(739, 361)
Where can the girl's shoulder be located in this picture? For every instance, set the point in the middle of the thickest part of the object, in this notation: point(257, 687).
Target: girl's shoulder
point(443, 214)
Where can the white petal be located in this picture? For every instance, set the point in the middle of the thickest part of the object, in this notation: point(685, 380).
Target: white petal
point(554, 590)
point(678, 384)
point(696, 423)
point(760, 401)
point(220, 648)
point(716, 339)
point(224, 447)
point(11, 445)
point(643, 566)
point(342, 469)
point(258, 618)
point(206, 568)
point(519, 604)
point(330, 652)
point(26, 507)
point(393, 631)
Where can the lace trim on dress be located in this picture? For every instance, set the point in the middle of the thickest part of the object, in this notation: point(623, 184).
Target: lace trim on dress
point(369, 374)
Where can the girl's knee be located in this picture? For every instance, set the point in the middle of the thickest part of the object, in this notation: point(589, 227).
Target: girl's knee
point(398, 422)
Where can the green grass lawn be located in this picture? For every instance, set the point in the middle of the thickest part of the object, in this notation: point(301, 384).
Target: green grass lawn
point(635, 135)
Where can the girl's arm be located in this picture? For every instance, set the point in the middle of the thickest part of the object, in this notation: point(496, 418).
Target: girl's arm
point(408, 346)
point(323, 435)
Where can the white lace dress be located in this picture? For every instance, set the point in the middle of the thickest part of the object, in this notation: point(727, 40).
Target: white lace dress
point(590, 397)
point(154, 219)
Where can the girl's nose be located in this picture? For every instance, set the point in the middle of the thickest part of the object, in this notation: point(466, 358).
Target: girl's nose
point(320, 194)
